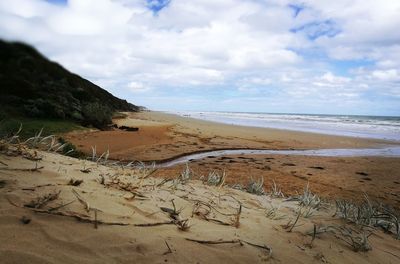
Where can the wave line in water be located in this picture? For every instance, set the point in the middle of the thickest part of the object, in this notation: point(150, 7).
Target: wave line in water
point(377, 127)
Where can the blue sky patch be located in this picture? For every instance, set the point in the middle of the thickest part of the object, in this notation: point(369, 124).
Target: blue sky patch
point(157, 5)
point(318, 29)
point(58, 2)
point(343, 67)
point(296, 9)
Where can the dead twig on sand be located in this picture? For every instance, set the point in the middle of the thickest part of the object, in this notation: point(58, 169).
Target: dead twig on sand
point(61, 206)
point(233, 241)
point(169, 249)
point(236, 222)
point(182, 224)
point(164, 182)
point(86, 170)
point(390, 253)
point(156, 224)
point(18, 169)
point(75, 182)
point(214, 242)
point(80, 217)
point(80, 199)
point(41, 201)
point(86, 219)
point(37, 186)
point(290, 227)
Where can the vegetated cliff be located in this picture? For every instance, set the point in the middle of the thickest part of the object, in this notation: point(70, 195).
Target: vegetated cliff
point(33, 86)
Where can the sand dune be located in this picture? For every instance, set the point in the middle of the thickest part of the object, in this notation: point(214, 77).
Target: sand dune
point(63, 230)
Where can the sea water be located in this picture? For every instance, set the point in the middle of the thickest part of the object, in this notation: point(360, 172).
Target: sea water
point(377, 127)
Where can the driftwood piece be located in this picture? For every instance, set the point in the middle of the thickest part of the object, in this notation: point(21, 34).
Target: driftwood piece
point(130, 129)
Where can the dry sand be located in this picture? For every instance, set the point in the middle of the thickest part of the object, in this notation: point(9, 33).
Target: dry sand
point(52, 234)
point(162, 136)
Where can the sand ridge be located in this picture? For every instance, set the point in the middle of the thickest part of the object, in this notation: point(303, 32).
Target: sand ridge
point(125, 199)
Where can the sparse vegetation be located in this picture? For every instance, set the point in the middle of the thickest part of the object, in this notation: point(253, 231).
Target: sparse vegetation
point(368, 213)
point(256, 187)
point(276, 191)
point(13, 144)
point(309, 199)
point(133, 181)
point(185, 175)
point(216, 179)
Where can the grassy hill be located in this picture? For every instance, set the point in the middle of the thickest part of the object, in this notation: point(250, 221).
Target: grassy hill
point(34, 88)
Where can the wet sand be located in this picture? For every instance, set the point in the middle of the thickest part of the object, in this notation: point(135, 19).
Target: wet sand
point(163, 136)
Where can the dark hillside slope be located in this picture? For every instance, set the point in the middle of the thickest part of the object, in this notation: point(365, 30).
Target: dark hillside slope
point(33, 86)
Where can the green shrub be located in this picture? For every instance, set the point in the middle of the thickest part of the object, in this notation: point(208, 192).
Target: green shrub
point(96, 115)
point(70, 149)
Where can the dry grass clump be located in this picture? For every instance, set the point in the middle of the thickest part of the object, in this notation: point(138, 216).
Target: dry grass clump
point(256, 187)
point(208, 212)
point(184, 177)
point(369, 214)
point(276, 191)
point(356, 239)
point(272, 213)
point(102, 159)
point(238, 186)
point(309, 199)
point(216, 179)
point(14, 146)
point(186, 174)
point(174, 214)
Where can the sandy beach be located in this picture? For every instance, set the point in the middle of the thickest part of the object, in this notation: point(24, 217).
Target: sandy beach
point(56, 209)
point(162, 136)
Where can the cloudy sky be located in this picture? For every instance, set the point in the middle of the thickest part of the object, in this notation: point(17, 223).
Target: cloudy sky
point(310, 56)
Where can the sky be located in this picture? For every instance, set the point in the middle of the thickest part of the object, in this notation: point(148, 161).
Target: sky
point(276, 56)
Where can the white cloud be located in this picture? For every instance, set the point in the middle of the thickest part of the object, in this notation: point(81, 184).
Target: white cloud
point(253, 47)
point(386, 75)
point(330, 80)
point(137, 87)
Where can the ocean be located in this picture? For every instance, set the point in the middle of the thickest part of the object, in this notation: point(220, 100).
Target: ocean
point(377, 127)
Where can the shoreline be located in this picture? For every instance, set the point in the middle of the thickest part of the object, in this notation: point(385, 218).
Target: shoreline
point(168, 130)
point(283, 130)
point(268, 121)
point(165, 137)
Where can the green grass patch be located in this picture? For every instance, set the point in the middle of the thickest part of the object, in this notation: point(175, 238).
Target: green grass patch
point(30, 127)
point(119, 115)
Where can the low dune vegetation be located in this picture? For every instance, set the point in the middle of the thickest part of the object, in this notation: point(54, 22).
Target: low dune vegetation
point(98, 199)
